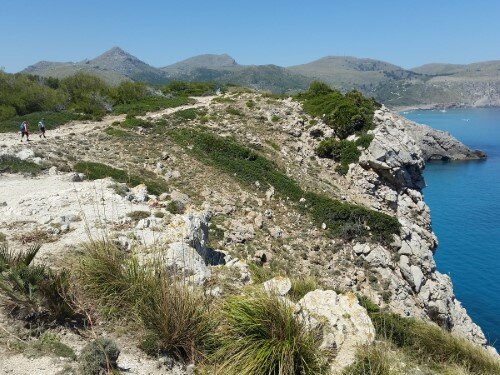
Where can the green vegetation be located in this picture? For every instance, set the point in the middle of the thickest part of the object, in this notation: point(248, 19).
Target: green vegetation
point(34, 293)
point(51, 344)
point(190, 88)
point(99, 357)
point(138, 215)
point(174, 317)
point(424, 341)
point(115, 132)
point(275, 118)
point(95, 171)
point(301, 286)
point(78, 97)
point(260, 335)
point(134, 122)
point(12, 164)
point(146, 104)
point(52, 120)
point(421, 342)
point(345, 152)
point(234, 112)
point(342, 219)
point(346, 113)
point(186, 114)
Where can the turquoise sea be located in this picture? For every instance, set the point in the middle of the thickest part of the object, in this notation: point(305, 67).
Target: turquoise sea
point(464, 198)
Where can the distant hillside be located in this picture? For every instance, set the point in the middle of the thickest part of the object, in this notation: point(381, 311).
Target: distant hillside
point(208, 61)
point(346, 73)
point(475, 84)
point(114, 66)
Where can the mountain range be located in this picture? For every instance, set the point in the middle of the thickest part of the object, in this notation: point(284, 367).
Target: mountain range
point(475, 84)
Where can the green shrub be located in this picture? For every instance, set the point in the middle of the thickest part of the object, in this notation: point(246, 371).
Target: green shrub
point(114, 132)
point(364, 140)
point(51, 344)
point(234, 112)
point(35, 293)
point(129, 92)
point(52, 120)
point(138, 215)
point(175, 207)
point(95, 171)
point(275, 118)
point(134, 122)
point(427, 342)
point(260, 335)
point(99, 357)
point(186, 114)
point(150, 104)
point(345, 152)
point(247, 166)
point(190, 88)
point(12, 164)
point(346, 114)
point(250, 104)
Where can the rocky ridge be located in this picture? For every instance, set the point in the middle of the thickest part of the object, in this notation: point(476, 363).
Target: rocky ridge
point(390, 173)
point(225, 227)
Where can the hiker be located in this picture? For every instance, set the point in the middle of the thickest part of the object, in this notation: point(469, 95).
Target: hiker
point(41, 127)
point(24, 131)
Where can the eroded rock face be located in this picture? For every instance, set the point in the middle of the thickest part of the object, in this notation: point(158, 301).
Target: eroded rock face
point(389, 174)
point(345, 324)
point(440, 145)
point(278, 285)
point(189, 252)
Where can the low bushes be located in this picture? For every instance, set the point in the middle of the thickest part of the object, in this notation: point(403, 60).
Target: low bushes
point(12, 164)
point(35, 294)
point(346, 113)
point(342, 219)
point(95, 171)
point(259, 335)
point(175, 318)
point(427, 342)
point(190, 88)
point(99, 357)
point(150, 104)
point(52, 120)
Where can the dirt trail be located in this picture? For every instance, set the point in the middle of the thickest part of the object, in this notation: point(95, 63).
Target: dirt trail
point(79, 127)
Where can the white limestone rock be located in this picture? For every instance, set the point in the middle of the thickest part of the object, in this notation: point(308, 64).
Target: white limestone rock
point(344, 322)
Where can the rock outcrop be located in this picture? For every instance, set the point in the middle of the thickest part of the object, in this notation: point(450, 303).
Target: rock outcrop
point(440, 145)
point(345, 324)
point(390, 175)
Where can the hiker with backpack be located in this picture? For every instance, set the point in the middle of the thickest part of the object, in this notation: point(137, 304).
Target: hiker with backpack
point(24, 131)
point(41, 127)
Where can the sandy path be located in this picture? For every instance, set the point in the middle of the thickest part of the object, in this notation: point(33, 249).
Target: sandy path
point(78, 127)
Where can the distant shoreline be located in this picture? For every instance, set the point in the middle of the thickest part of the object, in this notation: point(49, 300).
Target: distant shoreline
point(430, 107)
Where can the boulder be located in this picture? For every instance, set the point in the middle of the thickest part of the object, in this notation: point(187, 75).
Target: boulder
point(139, 193)
point(184, 259)
point(278, 285)
point(345, 324)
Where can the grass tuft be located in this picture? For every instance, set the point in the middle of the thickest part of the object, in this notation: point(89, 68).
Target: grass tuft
point(260, 335)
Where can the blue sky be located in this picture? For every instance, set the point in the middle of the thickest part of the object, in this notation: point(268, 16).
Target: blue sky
point(406, 33)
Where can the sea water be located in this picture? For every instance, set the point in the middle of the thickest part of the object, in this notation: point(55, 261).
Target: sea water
point(464, 198)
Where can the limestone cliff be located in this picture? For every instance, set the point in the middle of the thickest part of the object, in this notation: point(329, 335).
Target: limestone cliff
point(390, 173)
